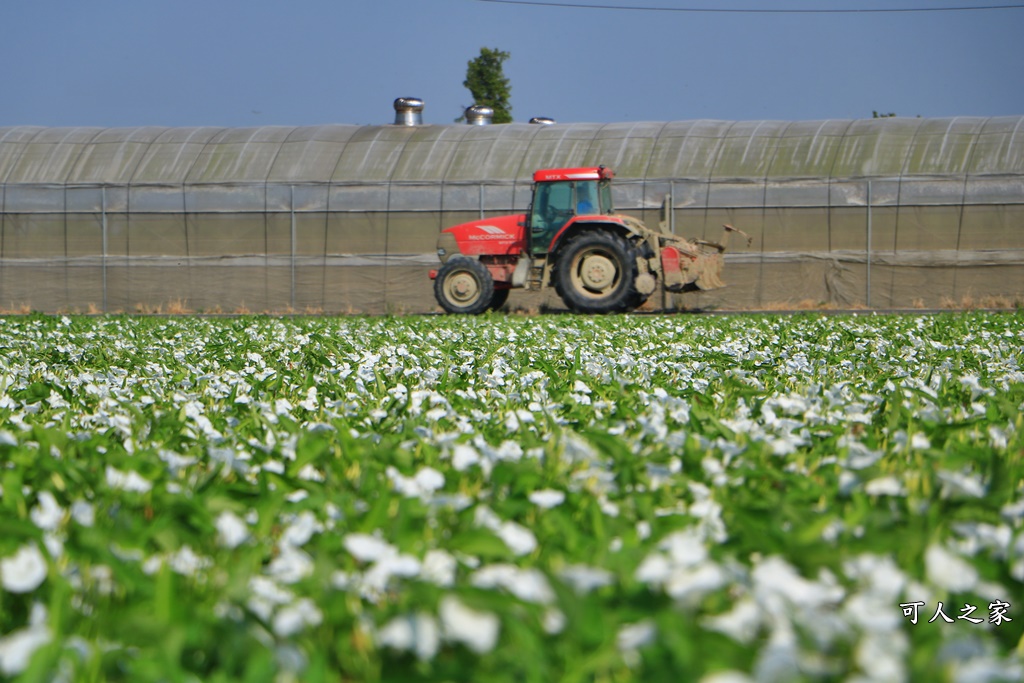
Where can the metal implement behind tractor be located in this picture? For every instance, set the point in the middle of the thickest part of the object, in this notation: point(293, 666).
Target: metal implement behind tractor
point(571, 238)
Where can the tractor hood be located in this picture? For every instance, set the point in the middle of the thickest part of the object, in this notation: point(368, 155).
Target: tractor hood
point(498, 236)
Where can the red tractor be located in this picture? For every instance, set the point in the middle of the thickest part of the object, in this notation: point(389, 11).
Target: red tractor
point(597, 260)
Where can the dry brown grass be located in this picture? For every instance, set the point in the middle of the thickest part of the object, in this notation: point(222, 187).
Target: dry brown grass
point(172, 307)
point(969, 302)
point(804, 305)
point(178, 307)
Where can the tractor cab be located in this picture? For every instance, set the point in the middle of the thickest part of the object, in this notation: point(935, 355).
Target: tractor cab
point(562, 194)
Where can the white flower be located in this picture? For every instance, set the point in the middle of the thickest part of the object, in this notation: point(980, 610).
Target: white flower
point(860, 456)
point(958, 484)
point(265, 595)
point(127, 481)
point(48, 513)
point(24, 571)
point(54, 543)
point(584, 579)
point(367, 548)
point(476, 630)
point(741, 623)
point(883, 656)
point(418, 633)
point(291, 565)
point(553, 621)
point(880, 575)
point(232, 530)
point(301, 529)
point(439, 568)
point(272, 466)
point(529, 585)
point(884, 486)
point(635, 636)
point(486, 517)
point(972, 382)
point(920, 442)
point(786, 443)
point(83, 513)
point(698, 580)
point(997, 436)
point(17, 648)
point(293, 618)
point(948, 570)
point(463, 456)
point(775, 578)
point(518, 538)
point(297, 496)
point(655, 569)
point(729, 676)
point(547, 498)
point(377, 577)
point(422, 485)
point(187, 563)
point(429, 480)
point(311, 400)
point(686, 547)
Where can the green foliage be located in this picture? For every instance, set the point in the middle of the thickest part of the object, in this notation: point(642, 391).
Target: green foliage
point(486, 81)
point(624, 498)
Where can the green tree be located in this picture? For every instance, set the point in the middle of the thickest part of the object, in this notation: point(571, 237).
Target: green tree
point(488, 84)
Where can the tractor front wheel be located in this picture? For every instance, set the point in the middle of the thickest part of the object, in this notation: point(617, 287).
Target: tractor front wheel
point(464, 286)
point(596, 273)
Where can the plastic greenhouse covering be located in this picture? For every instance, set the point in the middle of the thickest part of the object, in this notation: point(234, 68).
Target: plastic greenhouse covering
point(340, 218)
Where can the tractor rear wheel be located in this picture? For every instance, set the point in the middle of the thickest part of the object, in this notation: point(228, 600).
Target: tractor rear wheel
point(596, 273)
point(464, 286)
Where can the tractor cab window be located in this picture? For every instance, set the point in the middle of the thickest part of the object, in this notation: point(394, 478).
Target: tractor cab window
point(586, 198)
point(605, 190)
point(552, 208)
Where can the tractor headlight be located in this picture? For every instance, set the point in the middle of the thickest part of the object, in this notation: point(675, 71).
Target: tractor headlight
point(447, 246)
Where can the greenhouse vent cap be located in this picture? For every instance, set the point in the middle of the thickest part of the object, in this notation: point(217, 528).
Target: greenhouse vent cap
point(408, 111)
point(479, 115)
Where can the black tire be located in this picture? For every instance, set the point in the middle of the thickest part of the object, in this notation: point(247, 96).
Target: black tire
point(464, 286)
point(636, 300)
point(499, 298)
point(596, 273)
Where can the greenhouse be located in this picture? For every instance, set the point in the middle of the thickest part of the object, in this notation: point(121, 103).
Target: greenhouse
point(343, 218)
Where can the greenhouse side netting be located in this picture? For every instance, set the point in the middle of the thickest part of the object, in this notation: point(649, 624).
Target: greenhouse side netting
point(338, 218)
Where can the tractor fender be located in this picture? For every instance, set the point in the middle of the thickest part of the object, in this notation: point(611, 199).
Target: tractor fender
point(624, 226)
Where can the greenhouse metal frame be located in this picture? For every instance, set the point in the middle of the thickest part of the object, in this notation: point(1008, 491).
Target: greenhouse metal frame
point(339, 218)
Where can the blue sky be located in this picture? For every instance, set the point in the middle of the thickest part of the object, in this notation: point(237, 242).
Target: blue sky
point(257, 62)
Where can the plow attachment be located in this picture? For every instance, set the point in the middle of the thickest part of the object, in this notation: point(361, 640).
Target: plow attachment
point(688, 266)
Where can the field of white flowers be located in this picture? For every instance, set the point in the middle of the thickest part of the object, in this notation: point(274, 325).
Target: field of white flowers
point(503, 498)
